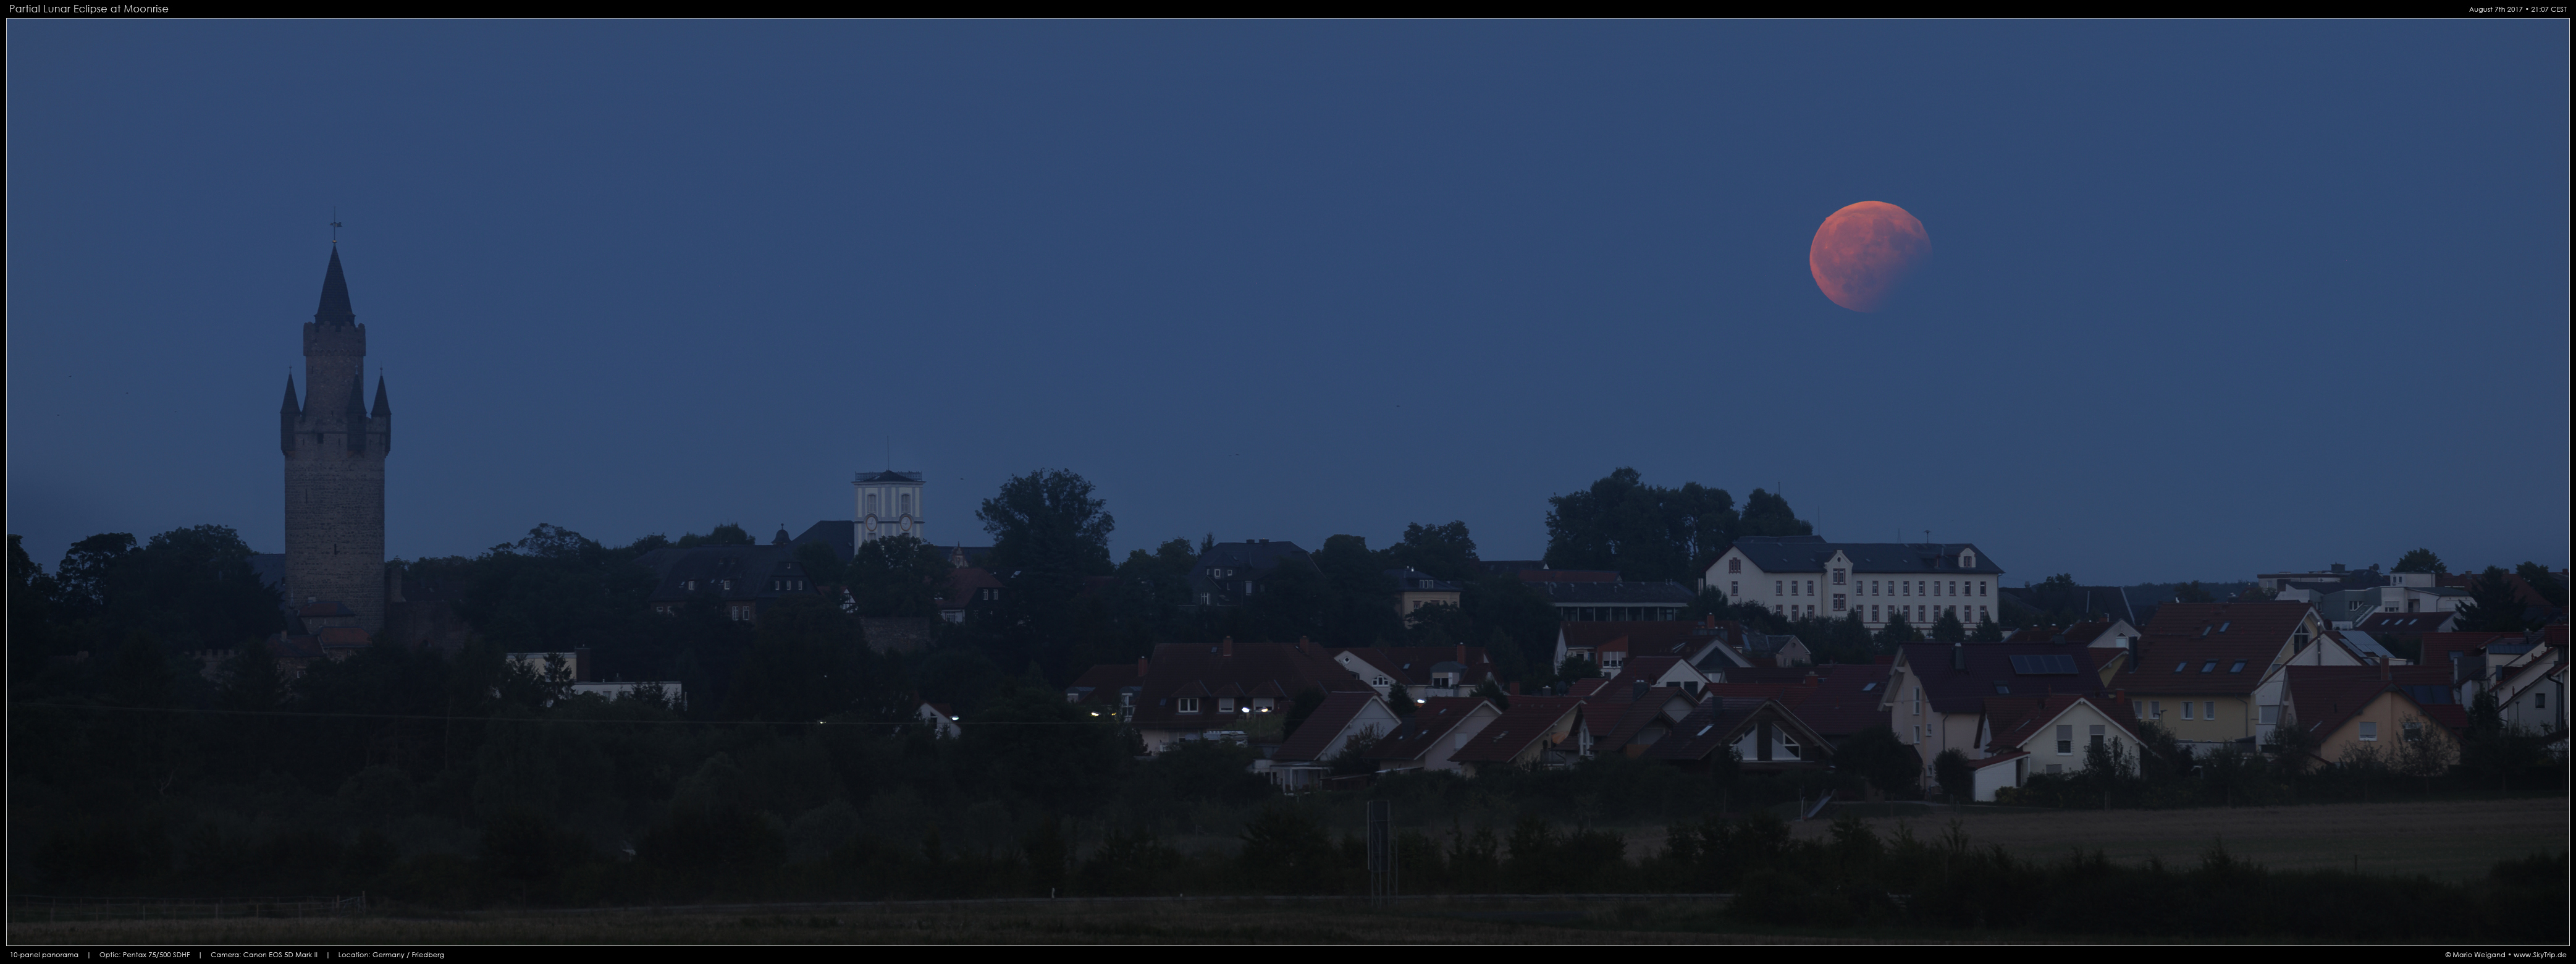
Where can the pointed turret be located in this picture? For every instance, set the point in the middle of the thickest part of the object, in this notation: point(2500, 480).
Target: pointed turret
point(335, 308)
point(290, 408)
point(384, 405)
point(287, 413)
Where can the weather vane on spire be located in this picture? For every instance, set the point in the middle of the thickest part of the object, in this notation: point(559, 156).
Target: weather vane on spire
point(335, 224)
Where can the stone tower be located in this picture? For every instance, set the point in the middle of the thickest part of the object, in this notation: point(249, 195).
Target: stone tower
point(335, 465)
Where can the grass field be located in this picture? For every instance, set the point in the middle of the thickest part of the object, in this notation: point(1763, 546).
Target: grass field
point(1219, 921)
point(2448, 840)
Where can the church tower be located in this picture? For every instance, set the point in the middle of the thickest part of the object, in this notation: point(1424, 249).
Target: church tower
point(335, 465)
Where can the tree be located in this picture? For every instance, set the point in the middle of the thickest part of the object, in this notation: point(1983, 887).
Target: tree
point(1049, 535)
point(1725, 771)
point(2107, 766)
point(728, 534)
point(807, 663)
point(2420, 560)
point(1648, 532)
point(1948, 629)
point(896, 576)
point(1957, 778)
point(1987, 631)
point(2494, 606)
point(2192, 592)
point(1359, 595)
point(1709, 604)
point(1442, 551)
point(1875, 753)
point(1048, 523)
point(1896, 630)
point(2543, 582)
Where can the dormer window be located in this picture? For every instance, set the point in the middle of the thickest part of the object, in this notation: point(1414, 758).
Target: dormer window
point(1968, 559)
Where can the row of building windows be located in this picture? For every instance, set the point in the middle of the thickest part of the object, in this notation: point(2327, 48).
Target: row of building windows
point(1224, 704)
point(1890, 587)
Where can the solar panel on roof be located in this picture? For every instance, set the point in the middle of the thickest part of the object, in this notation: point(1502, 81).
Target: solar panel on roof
point(2044, 664)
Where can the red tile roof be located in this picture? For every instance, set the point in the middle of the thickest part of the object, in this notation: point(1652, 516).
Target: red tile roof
point(1425, 730)
point(1719, 721)
point(1634, 717)
point(2323, 697)
point(2214, 622)
point(1320, 728)
point(2013, 720)
point(1951, 690)
point(2080, 634)
point(1187, 669)
point(1411, 665)
point(1843, 700)
point(1529, 720)
point(2156, 673)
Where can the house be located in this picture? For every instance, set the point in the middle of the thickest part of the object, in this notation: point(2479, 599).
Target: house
point(1415, 589)
point(1536, 732)
point(1439, 726)
point(2429, 686)
point(2362, 709)
point(742, 580)
point(2370, 650)
point(942, 720)
point(1839, 702)
point(1590, 601)
point(2530, 687)
point(2107, 634)
point(1228, 573)
point(1936, 692)
point(1109, 689)
point(2027, 735)
point(2420, 592)
point(2334, 575)
point(1763, 733)
point(2199, 665)
point(1708, 644)
point(1424, 671)
point(1777, 650)
point(2382, 624)
point(1190, 689)
point(1306, 756)
point(971, 589)
point(1805, 576)
point(1629, 714)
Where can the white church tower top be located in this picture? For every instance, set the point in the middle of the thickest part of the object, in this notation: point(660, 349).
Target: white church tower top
point(889, 504)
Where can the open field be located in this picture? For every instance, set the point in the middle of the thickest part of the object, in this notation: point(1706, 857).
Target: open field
point(1158, 921)
point(2446, 840)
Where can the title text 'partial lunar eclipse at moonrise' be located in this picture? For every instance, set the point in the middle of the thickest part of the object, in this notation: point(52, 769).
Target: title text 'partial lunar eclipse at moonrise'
point(1863, 254)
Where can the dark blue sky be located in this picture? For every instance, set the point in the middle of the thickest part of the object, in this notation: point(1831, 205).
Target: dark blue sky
point(2205, 298)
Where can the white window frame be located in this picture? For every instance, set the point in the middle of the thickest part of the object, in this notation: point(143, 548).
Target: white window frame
point(1187, 704)
point(2370, 731)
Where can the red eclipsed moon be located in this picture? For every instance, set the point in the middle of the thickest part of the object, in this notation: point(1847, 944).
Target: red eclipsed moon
point(1863, 253)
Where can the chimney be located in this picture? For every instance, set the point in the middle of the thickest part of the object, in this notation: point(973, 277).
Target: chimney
point(2383, 670)
point(1301, 644)
point(1462, 654)
point(1226, 648)
point(1708, 621)
point(1637, 689)
point(1140, 667)
point(1959, 657)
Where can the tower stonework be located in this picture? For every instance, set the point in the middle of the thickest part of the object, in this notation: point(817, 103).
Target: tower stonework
point(335, 465)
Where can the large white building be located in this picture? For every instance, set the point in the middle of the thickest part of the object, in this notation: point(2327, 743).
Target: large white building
point(889, 504)
point(1805, 576)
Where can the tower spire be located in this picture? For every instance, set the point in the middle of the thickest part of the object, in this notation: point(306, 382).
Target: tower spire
point(384, 405)
point(335, 308)
point(290, 408)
